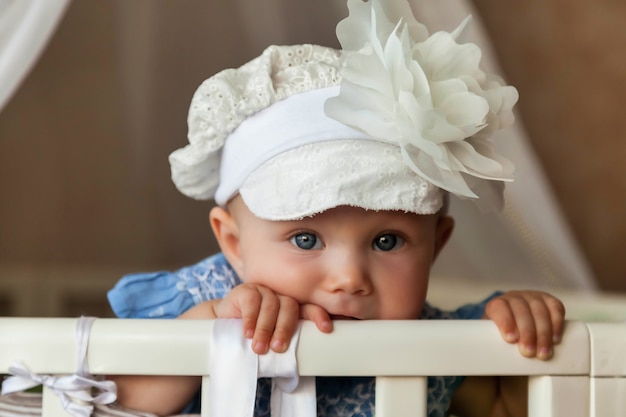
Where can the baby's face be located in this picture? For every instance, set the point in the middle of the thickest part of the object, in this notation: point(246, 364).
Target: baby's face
point(352, 262)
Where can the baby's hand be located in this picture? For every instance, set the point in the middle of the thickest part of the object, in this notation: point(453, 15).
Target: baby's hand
point(269, 319)
point(532, 319)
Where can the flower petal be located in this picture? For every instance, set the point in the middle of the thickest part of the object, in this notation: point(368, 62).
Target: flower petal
point(364, 110)
point(426, 93)
point(353, 31)
point(449, 180)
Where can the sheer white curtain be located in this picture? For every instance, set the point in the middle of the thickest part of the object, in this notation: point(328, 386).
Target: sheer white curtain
point(25, 27)
point(528, 243)
point(167, 48)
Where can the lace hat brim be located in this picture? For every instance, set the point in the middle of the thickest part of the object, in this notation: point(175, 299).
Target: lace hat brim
point(313, 178)
point(291, 161)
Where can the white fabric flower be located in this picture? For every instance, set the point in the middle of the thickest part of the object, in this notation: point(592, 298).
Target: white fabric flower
point(425, 93)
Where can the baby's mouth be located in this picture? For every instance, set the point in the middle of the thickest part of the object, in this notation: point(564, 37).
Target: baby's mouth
point(340, 317)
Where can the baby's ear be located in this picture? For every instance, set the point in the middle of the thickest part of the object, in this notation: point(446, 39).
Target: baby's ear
point(443, 231)
point(226, 232)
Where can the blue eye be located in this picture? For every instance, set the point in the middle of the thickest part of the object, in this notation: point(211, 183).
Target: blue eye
point(387, 242)
point(306, 241)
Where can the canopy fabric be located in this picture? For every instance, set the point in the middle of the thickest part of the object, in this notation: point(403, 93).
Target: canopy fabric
point(25, 27)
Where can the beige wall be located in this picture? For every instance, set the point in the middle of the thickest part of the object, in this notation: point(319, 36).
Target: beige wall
point(85, 181)
point(567, 60)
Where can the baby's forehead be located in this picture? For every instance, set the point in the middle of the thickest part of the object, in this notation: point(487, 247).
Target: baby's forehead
point(337, 216)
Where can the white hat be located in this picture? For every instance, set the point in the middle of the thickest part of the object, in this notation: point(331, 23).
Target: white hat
point(386, 124)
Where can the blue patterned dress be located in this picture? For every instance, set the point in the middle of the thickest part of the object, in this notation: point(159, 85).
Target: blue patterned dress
point(169, 294)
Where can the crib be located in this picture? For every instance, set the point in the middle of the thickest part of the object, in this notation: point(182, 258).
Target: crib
point(586, 377)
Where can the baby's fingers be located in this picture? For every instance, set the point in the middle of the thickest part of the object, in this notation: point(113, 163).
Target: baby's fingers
point(499, 311)
point(546, 316)
point(287, 321)
point(258, 309)
point(317, 315)
point(285, 324)
point(531, 327)
point(269, 319)
point(515, 318)
point(537, 341)
point(557, 315)
point(260, 319)
point(532, 319)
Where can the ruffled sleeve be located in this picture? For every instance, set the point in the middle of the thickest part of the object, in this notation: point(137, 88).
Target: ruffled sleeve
point(167, 294)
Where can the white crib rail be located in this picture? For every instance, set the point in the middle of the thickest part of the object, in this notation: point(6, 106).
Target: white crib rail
point(586, 377)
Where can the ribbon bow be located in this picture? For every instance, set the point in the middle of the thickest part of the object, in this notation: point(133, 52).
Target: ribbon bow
point(74, 391)
point(235, 369)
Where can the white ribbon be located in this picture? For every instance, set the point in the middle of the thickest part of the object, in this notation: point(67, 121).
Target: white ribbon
point(75, 391)
point(235, 369)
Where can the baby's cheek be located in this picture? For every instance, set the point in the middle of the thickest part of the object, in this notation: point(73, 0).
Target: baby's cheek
point(403, 302)
point(281, 283)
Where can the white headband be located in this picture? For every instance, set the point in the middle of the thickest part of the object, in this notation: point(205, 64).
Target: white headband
point(293, 122)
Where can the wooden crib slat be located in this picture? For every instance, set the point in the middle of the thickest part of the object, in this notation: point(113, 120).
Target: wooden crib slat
point(608, 397)
point(608, 369)
point(51, 405)
point(431, 348)
point(152, 347)
point(586, 377)
point(43, 345)
point(608, 347)
point(558, 396)
point(205, 397)
point(401, 396)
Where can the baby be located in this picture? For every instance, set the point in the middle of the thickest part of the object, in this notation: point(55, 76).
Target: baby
point(332, 172)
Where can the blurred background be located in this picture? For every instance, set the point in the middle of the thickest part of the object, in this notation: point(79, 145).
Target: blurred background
point(84, 177)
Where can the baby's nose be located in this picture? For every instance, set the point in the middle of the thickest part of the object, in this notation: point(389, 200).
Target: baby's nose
point(350, 277)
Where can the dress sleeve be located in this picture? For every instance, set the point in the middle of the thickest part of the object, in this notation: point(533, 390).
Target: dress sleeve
point(167, 294)
point(465, 312)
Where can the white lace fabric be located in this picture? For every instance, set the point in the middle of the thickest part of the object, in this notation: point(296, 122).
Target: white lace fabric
point(225, 100)
point(359, 173)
